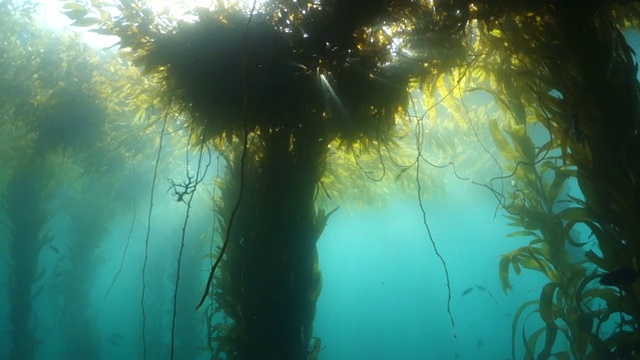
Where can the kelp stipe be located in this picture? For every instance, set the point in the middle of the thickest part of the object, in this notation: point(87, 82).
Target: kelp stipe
point(585, 59)
point(45, 115)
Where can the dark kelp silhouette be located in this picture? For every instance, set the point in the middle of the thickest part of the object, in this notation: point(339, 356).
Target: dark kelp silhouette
point(274, 88)
point(54, 120)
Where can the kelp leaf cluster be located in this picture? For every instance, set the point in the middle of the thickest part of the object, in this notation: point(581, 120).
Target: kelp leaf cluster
point(277, 76)
point(538, 207)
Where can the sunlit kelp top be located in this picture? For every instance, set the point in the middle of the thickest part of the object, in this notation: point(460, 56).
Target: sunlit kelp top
point(346, 69)
point(231, 70)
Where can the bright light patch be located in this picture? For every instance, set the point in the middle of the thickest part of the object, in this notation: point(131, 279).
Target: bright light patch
point(179, 9)
point(328, 89)
point(52, 17)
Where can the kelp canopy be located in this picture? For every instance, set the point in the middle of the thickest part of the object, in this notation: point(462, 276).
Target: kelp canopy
point(284, 83)
point(275, 75)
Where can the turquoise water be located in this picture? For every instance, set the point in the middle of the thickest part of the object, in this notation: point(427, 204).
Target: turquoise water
point(384, 294)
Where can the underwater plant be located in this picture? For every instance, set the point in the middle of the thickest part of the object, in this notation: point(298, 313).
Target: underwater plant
point(276, 89)
point(56, 143)
point(569, 63)
point(26, 190)
point(271, 99)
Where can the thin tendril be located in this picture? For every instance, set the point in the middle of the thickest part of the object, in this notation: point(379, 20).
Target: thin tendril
point(191, 194)
point(419, 144)
point(229, 225)
point(245, 145)
point(146, 240)
point(133, 221)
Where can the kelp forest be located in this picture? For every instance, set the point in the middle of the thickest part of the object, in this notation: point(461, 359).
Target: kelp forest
point(174, 173)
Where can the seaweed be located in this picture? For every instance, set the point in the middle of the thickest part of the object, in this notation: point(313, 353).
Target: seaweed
point(281, 87)
point(548, 220)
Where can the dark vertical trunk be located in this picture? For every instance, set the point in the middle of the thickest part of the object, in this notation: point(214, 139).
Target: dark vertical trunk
point(600, 81)
point(74, 276)
point(27, 218)
point(269, 281)
point(603, 86)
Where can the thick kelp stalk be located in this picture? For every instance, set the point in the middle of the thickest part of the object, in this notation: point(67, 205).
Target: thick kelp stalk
point(41, 118)
point(25, 183)
point(28, 202)
point(604, 94)
point(27, 217)
point(53, 112)
point(76, 259)
point(269, 280)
